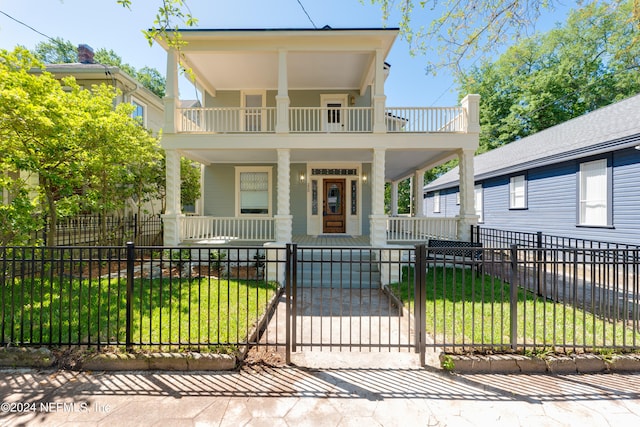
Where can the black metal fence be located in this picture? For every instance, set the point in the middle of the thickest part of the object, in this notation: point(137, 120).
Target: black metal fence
point(533, 300)
point(135, 296)
point(110, 230)
point(496, 238)
point(510, 299)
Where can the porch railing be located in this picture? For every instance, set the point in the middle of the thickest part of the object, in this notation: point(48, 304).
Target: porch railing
point(258, 229)
point(411, 229)
point(324, 119)
point(321, 119)
point(423, 120)
point(227, 120)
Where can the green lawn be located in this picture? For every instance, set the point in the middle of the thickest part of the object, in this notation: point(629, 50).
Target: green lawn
point(474, 313)
point(207, 311)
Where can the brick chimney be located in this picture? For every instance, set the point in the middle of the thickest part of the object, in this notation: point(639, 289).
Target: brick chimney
point(85, 54)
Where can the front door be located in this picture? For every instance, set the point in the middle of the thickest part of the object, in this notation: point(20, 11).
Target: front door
point(333, 206)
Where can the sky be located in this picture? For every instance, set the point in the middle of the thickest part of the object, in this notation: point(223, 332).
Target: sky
point(105, 24)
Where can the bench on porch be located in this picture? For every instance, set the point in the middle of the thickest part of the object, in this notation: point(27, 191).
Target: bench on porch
point(457, 252)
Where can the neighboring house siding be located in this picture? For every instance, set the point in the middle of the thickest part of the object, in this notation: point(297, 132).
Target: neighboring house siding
point(552, 201)
point(626, 195)
point(448, 204)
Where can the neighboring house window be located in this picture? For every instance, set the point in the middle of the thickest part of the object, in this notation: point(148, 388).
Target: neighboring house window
point(479, 203)
point(436, 202)
point(139, 111)
point(518, 192)
point(594, 182)
point(254, 192)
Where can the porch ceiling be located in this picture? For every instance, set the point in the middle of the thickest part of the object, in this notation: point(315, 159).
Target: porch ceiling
point(316, 59)
point(306, 70)
point(399, 164)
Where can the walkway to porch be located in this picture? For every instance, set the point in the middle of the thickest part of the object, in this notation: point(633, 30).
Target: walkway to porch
point(331, 240)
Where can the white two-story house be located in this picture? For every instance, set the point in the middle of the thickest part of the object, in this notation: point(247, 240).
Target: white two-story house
point(296, 139)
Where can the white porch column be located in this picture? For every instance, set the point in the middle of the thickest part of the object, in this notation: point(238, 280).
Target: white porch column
point(379, 98)
point(171, 98)
point(471, 104)
point(418, 197)
point(173, 210)
point(378, 219)
point(467, 215)
point(283, 218)
point(394, 198)
point(282, 99)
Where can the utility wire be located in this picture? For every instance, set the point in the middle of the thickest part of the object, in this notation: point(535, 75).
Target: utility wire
point(305, 12)
point(107, 71)
point(28, 26)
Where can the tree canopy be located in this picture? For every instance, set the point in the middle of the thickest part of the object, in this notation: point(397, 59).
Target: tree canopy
point(544, 80)
point(458, 32)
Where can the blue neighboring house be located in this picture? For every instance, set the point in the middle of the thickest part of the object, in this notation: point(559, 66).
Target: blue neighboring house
point(578, 179)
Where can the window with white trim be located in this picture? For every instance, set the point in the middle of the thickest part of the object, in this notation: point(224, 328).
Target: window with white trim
point(518, 192)
point(593, 193)
point(478, 202)
point(139, 111)
point(254, 190)
point(436, 202)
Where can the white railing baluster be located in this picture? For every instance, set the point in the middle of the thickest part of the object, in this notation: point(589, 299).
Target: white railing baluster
point(411, 229)
point(228, 228)
point(314, 119)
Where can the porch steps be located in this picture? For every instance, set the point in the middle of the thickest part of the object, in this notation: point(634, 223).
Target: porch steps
point(338, 268)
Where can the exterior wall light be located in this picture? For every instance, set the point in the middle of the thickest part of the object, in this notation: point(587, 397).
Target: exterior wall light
point(364, 178)
point(302, 178)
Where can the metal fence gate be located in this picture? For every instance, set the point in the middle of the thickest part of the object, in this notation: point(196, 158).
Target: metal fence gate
point(339, 300)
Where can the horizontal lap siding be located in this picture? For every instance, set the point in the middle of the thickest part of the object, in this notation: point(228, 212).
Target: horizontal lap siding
point(448, 204)
point(626, 196)
point(552, 200)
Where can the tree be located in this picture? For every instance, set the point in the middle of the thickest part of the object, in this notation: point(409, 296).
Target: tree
point(57, 51)
point(86, 154)
point(190, 182)
point(548, 79)
point(462, 31)
point(37, 129)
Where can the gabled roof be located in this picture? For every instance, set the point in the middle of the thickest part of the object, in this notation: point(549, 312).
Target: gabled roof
point(612, 127)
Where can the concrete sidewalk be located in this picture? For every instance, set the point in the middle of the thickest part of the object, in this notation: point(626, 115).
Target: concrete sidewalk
point(262, 395)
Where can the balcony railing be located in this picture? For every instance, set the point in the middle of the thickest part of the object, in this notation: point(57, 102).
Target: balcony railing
point(324, 119)
point(417, 119)
point(227, 120)
point(228, 229)
point(321, 120)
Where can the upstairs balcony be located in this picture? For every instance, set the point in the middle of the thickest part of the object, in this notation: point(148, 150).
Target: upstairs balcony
point(320, 120)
